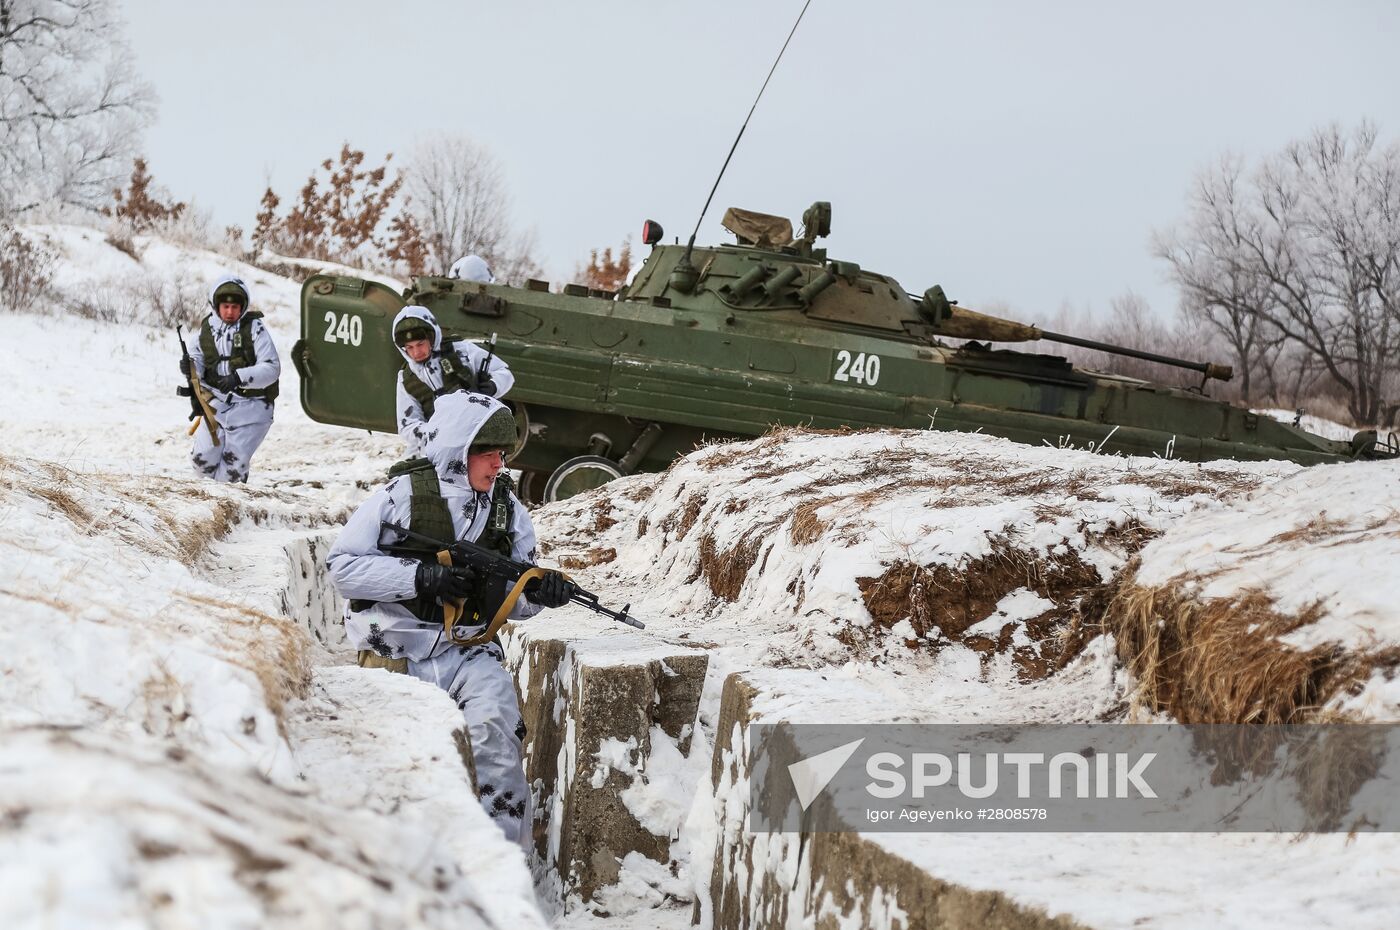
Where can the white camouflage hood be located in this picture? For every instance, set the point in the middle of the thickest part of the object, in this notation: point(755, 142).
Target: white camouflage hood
point(457, 418)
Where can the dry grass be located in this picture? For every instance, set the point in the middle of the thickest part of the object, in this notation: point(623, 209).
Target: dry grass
point(165, 705)
point(725, 572)
point(588, 559)
point(192, 540)
point(1329, 764)
point(640, 490)
point(806, 527)
point(277, 651)
point(734, 451)
point(681, 521)
point(60, 606)
point(1334, 763)
point(1220, 661)
point(1315, 530)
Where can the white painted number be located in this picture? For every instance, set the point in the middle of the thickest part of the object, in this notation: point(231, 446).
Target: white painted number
point(348, 328)
point(860, 368)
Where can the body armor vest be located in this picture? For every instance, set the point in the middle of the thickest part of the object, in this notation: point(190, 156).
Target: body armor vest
point(428, 514)
point(244, 353)
point(454, 378)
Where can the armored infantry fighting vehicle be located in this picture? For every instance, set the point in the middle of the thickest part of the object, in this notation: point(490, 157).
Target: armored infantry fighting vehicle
point(726, 341)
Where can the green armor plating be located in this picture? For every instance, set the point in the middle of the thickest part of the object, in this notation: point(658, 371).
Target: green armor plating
point(244, 354)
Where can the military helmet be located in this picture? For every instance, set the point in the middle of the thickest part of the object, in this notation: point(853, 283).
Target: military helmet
point(411, 328)
point(498, 432)
point(231, 291)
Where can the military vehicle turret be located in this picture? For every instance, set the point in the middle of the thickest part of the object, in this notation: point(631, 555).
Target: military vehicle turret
point(727, 341)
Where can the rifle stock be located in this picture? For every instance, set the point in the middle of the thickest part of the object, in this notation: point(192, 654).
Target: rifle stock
point(199, 395)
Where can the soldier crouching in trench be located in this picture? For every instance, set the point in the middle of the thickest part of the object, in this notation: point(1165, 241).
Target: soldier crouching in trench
point(394, 611)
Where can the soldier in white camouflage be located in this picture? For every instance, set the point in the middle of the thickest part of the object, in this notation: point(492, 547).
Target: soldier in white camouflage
point(394, 603)
point(234, 356)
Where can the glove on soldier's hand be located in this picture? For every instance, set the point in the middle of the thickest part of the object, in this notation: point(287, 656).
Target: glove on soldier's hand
point(226, 383)
point(553, 590)
point(485, 385)
point(184, 366)
point(442, 581)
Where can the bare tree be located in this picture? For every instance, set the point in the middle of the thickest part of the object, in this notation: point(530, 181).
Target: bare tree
point(1307, 250)
point(71, 106)
point(1219, 286)
point(457, 194)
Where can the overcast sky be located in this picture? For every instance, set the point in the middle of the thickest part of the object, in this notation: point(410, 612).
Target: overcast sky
point(1015, 152)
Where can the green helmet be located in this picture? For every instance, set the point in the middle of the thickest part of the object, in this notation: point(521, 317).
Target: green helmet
point(498, 432)
point(230, 292)
point(411, 328)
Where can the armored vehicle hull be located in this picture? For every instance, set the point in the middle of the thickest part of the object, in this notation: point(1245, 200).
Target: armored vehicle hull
point(729, 341)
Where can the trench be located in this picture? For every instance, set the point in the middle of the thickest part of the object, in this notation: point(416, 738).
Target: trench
point(634, 754)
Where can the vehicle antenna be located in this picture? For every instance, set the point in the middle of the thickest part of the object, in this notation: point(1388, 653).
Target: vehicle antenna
point(691, 244)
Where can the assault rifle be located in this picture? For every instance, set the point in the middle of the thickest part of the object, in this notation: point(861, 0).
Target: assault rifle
point(494, 566)
point(197, 393)
point(481, 372)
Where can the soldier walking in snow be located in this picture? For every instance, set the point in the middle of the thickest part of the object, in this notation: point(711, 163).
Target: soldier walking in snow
point(434, 366)
point(233, 355)
point(394, 604)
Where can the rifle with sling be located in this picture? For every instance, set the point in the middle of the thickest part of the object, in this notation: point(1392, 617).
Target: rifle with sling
point(492, 565)
point(197, 393)
point(481, 373)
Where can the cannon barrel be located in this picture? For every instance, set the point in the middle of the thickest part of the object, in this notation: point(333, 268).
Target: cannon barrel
point(949, 319)
point(1209, 369)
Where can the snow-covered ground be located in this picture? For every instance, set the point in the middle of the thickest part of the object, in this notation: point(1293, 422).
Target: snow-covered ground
point(177, 748)
point(721, 551)
point(180, 749)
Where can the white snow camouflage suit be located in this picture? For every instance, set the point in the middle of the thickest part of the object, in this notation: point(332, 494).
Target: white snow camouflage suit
point(474, 676)
point(243, 421)
point(412, 422)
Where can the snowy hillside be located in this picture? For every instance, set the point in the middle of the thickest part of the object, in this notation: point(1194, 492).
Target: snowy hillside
point(186, 741)
point(179, 749)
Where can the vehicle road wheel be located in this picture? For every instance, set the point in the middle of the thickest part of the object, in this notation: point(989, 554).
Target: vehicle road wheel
point(579, 474)
point(530, 490)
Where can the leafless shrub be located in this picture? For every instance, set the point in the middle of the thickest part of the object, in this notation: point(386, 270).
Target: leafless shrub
point(26, 269)
point(168, 301)
point(106, 303)
point(457, 196)
point(123, 240)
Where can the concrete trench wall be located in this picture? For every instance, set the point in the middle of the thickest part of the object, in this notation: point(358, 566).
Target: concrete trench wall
point(830, 881)
point(594, 711)
point(307, 595)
